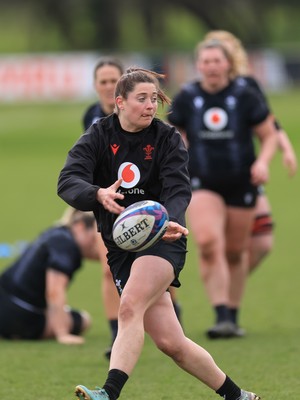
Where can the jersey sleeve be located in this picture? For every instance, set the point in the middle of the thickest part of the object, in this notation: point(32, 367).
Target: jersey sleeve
point(257, 87)
point(75, 182)
point(63, 255)
point(177, 111)
point(257, 108)
point(176, 188)
point(92, 114)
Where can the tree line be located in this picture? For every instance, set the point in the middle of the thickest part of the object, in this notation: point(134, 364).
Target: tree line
point(108, 24)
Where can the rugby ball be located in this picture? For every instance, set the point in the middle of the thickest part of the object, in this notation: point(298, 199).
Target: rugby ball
point(140, 225)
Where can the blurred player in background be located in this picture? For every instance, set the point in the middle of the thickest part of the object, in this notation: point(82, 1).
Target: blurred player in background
point(217, 116)
point(33, 290)
point(107, 72)
point(262, 233)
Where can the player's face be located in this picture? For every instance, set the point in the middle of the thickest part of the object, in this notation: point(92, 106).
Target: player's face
point(214, 67)
point(105, 83)
point(139, 109)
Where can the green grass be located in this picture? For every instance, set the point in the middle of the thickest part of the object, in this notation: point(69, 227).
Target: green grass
point(34, 139)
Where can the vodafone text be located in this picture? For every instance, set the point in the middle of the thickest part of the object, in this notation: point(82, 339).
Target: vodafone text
point(132, 191)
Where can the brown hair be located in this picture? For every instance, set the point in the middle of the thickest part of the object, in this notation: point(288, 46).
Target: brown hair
point(71, 216)
point(133, 76)
point(235, 47)
point(108, 61)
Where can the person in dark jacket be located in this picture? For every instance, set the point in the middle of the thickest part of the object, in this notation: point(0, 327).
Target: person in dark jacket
point(127, 157)
point(107, 72)
point(261, 242)
point(219, 118)
point(33, 290)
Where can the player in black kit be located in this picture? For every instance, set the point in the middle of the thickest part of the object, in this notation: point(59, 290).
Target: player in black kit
point(261, 241)
point(128, 157)
point(33, 289)
point(217, 117)
point(107, 72)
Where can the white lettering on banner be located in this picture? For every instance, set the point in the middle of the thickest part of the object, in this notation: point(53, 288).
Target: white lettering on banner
point(46, 77)
point(52, 76)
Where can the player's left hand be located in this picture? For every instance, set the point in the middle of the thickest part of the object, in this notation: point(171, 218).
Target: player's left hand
point(259, 172)
point(174, 232)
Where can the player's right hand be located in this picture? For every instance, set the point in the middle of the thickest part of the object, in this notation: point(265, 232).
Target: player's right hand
point(70, 339)
point(108, 196)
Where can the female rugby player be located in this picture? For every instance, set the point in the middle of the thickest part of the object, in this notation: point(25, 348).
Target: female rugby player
point(261, 241)
point(33, 290)
point(217, 117)
point(124, 158)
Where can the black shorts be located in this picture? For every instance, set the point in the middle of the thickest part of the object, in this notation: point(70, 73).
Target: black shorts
point(120, 261)
point(241, 193)
point(17, 322)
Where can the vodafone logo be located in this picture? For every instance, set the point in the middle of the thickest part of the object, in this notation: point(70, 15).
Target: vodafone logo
point(215, 119)
point(130, 174)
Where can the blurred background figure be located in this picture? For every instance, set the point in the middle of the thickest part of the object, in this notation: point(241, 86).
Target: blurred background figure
point(107, 72)
point(261, 241)
point(33, 290)
point(216, 117)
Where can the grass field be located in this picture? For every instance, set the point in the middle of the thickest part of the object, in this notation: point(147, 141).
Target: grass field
point(34, 139)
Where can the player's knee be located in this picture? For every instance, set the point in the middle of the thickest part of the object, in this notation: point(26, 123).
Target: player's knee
point(128, 309)
point(208, 248)
point(234, 257)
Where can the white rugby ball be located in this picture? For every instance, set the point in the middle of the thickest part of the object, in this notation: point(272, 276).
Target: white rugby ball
point(140, 225)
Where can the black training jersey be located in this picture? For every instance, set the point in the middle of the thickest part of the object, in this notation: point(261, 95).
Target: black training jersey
point(53, 249)
point(249, 81)
point(219, 129)
point(152, 164)
point(92, 114)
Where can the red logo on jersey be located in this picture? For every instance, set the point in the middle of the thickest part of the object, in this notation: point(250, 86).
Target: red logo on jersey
point(215, 118)
point(114, 148)
point(130, 174)
point(148, 152)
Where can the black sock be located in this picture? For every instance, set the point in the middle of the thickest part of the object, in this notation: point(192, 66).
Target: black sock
point(229, 390)
point(113, 323)
point(222, 313)
point(234, 312)
point(115, 381)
